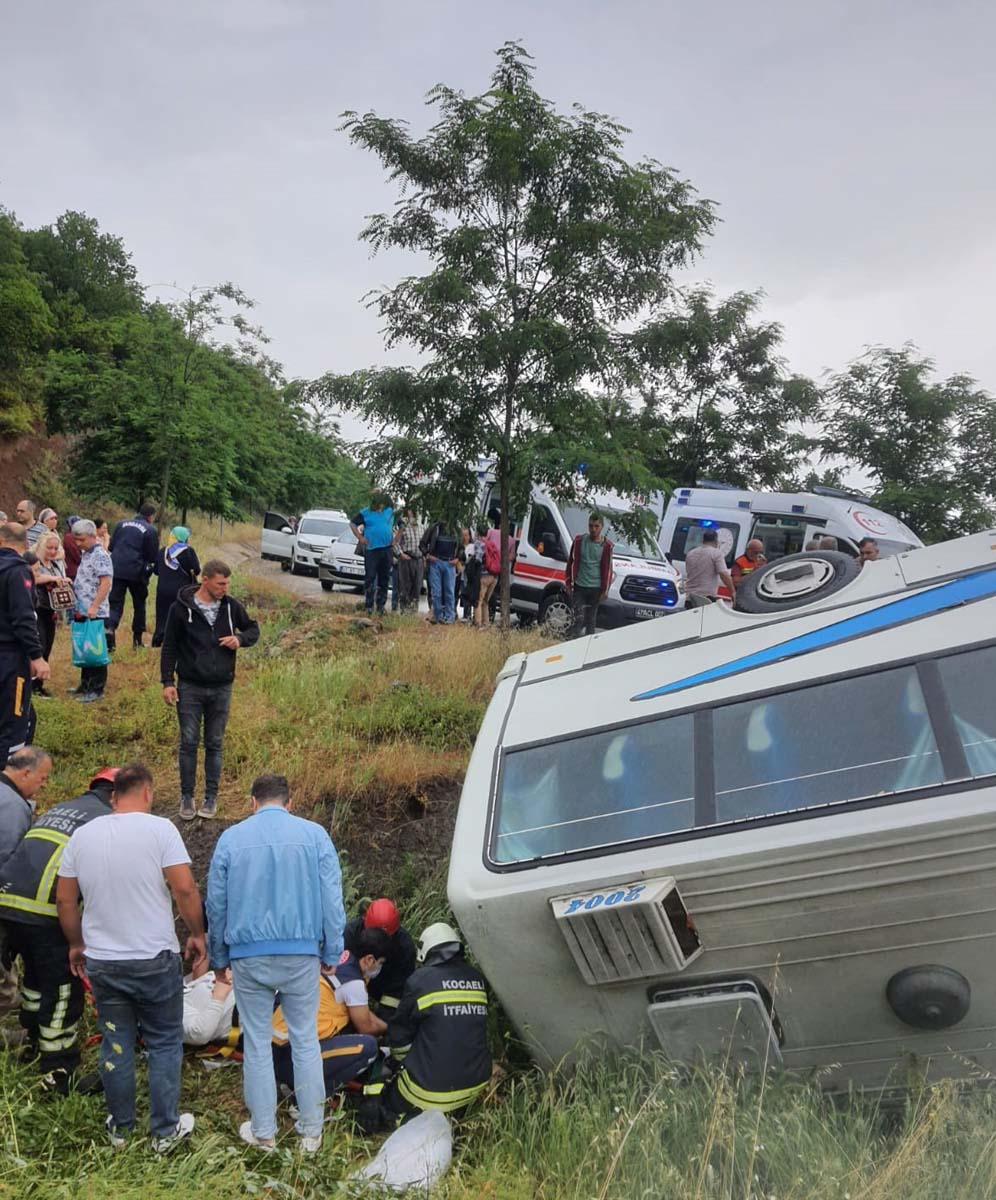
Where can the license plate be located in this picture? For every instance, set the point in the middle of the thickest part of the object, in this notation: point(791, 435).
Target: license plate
point(351, 570)
point(644, 614)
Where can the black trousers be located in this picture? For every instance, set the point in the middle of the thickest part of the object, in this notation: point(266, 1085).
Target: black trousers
point(51, 995)
point(377, 573)
point(138, 589)
point(410, 581)
point(17, 717)
point(584, 602)
point(93, 679)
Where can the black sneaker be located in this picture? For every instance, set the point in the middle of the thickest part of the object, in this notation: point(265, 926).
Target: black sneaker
point(90, 697)
point(187, 810)
point(209, 809)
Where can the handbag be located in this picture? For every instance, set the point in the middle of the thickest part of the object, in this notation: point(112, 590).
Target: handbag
point(89, 643)
point(62, 596)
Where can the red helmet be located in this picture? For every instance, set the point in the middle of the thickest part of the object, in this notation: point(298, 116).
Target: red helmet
point(382, 914)
point(106, 773)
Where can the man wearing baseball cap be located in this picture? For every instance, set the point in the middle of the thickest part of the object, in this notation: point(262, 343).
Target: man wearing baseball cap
point(385, 989)
point(51, 995)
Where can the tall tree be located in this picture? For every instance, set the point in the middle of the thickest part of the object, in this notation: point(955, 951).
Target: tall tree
point(927, 444)
point(25, 333)
point(547, 249)
point(717, 396)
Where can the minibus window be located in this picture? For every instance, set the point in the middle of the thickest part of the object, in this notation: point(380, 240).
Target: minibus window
point(858, 737)
point(970, 682)
point(616, 786)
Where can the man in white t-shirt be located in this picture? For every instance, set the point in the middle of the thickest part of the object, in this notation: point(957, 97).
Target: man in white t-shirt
point(126, 865)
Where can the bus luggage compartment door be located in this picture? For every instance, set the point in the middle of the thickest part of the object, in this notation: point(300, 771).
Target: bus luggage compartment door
point(728, 1023)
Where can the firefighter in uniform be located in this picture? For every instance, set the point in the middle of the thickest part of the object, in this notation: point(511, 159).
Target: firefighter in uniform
point(438, 1035)
point(20, 643)
point(51, 995)
point(384, 989)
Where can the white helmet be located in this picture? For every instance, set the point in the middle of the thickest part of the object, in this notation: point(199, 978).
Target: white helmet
point(439, 934)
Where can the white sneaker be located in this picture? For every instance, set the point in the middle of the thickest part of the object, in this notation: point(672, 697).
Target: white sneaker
point(247, 1135)
point(118, 1140)
point(184, 1127)
point(310, 1145)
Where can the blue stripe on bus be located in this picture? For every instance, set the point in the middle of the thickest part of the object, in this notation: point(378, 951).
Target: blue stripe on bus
point(910, 608)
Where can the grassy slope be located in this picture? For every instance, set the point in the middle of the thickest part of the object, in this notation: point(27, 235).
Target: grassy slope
point(357, 719)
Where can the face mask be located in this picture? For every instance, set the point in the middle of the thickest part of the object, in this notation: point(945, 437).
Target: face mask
point(374, 973)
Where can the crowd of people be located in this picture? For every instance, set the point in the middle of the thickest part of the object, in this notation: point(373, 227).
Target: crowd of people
point(316, 1008)
point(462, 566)
point(309, 1003)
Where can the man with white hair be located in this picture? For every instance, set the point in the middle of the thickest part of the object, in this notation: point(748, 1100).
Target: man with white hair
point(20, 643)
point(94, 577)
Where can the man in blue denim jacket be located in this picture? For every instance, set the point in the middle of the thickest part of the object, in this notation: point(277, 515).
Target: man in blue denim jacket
point(275, 916)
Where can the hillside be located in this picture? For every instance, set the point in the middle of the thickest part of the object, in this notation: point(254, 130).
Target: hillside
point(373, 724)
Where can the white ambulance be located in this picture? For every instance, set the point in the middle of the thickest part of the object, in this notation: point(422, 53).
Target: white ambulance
point(644, 584)
point(783, 521)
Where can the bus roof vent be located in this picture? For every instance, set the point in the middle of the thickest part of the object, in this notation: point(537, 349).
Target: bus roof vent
point(628, 930)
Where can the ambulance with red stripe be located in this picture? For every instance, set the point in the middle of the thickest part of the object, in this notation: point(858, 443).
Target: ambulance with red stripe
point(644, 584)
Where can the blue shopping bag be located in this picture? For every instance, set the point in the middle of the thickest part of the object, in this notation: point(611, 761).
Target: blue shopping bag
point(89, 643)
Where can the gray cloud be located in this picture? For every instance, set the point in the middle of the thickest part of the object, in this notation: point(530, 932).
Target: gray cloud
point(845, 142)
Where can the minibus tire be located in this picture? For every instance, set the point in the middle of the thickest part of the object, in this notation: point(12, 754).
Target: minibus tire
point(758, 591)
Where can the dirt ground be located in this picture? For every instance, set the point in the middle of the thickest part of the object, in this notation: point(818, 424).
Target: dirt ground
point(413, 829)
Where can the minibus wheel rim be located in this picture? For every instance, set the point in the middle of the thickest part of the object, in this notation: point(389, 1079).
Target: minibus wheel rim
point(797, 579)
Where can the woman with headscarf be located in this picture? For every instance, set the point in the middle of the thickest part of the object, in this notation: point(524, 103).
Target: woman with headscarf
point(176, 568)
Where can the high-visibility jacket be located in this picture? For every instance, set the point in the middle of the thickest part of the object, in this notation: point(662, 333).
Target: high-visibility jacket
point(440, 1033)
point(28, 876)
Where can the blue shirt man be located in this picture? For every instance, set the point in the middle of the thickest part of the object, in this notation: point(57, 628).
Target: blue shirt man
point(374, 530)
point(275, 913)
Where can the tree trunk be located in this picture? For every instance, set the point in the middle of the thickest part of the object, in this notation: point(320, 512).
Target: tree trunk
point(183, 515)
point(164, 493)
point(505, 589)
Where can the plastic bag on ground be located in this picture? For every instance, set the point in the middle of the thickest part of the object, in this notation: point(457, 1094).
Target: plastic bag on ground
point(416, 1155)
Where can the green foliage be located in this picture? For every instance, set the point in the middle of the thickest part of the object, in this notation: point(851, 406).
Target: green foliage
point(437, 719)
point(156, 404)
point(547, 249)
point(716, 397)
point(927, 444)
point(25, 333)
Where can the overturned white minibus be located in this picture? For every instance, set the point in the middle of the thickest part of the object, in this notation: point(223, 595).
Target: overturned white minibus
point(767, 836)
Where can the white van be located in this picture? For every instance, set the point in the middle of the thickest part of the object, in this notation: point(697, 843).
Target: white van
point(769, 838)
point(783, 521)
point(644, 585)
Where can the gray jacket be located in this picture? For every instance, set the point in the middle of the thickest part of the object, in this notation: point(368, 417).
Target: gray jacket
point(15, 817)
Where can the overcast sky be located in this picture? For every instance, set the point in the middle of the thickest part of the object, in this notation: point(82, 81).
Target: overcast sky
point(849, 146)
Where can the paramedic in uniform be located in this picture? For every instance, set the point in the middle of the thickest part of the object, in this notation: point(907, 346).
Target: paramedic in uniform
point(385, 988)
point(347, 1029)
point(20, 643)
point(438, 1035)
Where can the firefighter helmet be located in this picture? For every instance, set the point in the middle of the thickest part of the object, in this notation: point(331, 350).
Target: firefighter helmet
point(382, 914)
point(434, 936)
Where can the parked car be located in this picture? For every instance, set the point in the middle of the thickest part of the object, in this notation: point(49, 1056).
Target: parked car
point(340, 563)
point(316, 531)
point(276, 542)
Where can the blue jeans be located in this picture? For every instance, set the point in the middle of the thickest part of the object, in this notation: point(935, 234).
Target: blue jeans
point(257, 981)
point(442, 583)
point(210, 705)
point(140, 994)
point(377, 576)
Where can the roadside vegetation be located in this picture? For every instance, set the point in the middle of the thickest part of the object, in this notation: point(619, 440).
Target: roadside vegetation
point(374, 724)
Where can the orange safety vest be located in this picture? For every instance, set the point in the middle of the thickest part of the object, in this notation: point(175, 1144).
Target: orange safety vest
point(746, 565)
